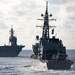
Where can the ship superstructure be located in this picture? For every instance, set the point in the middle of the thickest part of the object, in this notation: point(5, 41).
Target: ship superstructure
point(12, 38)
point(50, 50)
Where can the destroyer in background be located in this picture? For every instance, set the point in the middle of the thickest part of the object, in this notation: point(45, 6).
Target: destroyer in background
point(11, 50)
point(50, 50)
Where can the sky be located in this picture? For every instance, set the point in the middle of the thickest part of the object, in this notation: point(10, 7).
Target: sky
point(23, 15)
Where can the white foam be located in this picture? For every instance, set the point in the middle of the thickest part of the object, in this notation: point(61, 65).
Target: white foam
point(38, 65)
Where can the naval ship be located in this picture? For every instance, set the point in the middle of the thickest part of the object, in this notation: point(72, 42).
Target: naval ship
point(13, 49)
point(50, 49)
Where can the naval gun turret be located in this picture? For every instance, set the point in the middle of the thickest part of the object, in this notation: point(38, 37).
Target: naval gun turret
point(50, 49)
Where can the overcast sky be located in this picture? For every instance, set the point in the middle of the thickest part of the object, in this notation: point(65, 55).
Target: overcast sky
point(23, 14)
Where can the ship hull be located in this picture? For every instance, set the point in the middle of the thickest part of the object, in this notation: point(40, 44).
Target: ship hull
point(10, 51)
point(59, 64)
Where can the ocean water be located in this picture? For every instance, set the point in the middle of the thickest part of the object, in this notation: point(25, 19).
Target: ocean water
point(24, 65)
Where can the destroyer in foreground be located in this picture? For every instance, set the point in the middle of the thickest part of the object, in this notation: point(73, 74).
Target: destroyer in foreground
point(11, 50)
point(50, 50)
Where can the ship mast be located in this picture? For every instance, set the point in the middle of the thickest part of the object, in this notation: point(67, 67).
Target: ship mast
point(11, 31)
point(45, 33)
point(46, 27)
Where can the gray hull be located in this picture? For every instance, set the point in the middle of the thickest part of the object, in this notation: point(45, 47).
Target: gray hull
point(59, 64)
point(10, 51)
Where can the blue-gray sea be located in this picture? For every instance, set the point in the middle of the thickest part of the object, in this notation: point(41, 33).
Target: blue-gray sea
point(24, 65)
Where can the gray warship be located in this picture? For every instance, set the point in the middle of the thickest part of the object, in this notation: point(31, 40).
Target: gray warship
point(13, 49)
point(50, 49)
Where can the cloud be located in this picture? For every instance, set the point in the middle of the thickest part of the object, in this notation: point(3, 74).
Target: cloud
point(72, 18)
point(68, 25)
point(58, 2)
point(3, 25)
point(70, 9)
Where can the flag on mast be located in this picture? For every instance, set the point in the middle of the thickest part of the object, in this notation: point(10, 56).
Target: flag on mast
point(53, 31)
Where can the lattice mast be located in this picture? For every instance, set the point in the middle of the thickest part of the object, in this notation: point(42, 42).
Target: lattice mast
point(46, 27)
